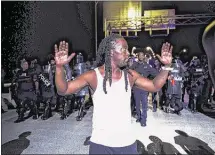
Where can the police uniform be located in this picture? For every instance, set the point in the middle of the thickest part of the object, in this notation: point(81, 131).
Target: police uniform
point(207, 87)
point(37, 69)
point(26, 92)
point(140, 95)
point(47, 90)
point(196, 79)
point(174, 87)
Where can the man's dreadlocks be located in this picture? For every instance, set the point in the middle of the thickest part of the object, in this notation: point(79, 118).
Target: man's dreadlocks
point(104, 58)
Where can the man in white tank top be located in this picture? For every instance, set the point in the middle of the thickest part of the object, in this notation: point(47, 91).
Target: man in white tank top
point(111, 84)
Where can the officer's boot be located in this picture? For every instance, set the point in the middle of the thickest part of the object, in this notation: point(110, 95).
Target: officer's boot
point(64, 111)
point(164, 108)
point(194, 105)
point(183, 94)
point(81, 111)
point(57, 107)
point(154, 106)
point(169, 109)
point(34, 109)
point(68, 107)
point(182, 98)
point(20, 111)
point(47, 111)
point(167, 104)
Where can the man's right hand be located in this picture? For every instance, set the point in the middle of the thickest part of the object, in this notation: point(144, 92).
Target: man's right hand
point(61, 54)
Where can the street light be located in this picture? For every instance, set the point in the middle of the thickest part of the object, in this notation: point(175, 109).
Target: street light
point(183, 51)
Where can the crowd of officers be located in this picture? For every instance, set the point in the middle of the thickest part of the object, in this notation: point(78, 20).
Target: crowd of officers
point(33, 87)
point(184, 78)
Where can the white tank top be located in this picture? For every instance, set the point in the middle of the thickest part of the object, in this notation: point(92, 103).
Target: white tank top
point(111, 123)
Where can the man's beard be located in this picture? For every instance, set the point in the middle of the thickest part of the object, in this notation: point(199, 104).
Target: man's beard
point(123, 64)
point(126, 68)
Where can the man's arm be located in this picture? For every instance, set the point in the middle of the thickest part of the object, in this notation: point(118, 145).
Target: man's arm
point(149, 85)
point(157, 83)
point(153, 71)
point(65, 88)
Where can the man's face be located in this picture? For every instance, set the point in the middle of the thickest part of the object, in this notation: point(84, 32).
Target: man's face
point(141, 56)
point(52, 62)
point(25, 65)
point(120, 53)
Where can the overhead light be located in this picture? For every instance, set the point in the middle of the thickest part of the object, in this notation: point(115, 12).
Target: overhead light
point(184, 50)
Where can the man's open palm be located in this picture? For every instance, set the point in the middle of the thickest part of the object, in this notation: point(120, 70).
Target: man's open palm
point(61, 54)
point(166, 54)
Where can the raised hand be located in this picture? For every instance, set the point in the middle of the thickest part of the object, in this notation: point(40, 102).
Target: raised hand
point(132, 51)
point(166, 54)
point(61, 54)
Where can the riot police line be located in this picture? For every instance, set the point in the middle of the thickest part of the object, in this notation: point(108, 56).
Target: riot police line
point(191, 78)
point(33, 89)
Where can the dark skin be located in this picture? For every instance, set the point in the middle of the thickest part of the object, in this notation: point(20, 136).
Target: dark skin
point(141, 56)
point(119, 58)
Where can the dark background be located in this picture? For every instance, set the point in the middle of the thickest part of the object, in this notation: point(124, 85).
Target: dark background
point(32, 28)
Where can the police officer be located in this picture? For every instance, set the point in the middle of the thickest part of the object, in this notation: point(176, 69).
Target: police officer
point(35, 66)
point(197, 75)
point(36, 69)
point(62, 103)
point(141, 97)
point(207, 86)
point(174, 88)
point(27, 87)
point(83, 94)
point(13, 87)
point(47, 89)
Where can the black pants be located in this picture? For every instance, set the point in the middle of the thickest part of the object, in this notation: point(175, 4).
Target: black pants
point(101, 149)
point(175, 102)
point(141, 97)
point(207, 89)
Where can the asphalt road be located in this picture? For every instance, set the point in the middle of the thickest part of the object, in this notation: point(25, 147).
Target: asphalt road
point(164, 133)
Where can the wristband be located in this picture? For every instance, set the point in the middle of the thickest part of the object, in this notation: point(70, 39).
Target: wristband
point(167, 68)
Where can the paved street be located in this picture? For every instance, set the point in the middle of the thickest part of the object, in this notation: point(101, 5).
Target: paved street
point(55, 136)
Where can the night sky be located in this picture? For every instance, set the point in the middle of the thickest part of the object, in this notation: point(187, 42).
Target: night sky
point(31, 28)
point(12, 35)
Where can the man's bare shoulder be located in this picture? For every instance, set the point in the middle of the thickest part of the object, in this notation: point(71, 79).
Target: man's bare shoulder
point(133, 75)
point(91, 78)
point(89, 75)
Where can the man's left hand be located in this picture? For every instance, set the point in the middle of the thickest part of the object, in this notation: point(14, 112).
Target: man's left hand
point(166, 54)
